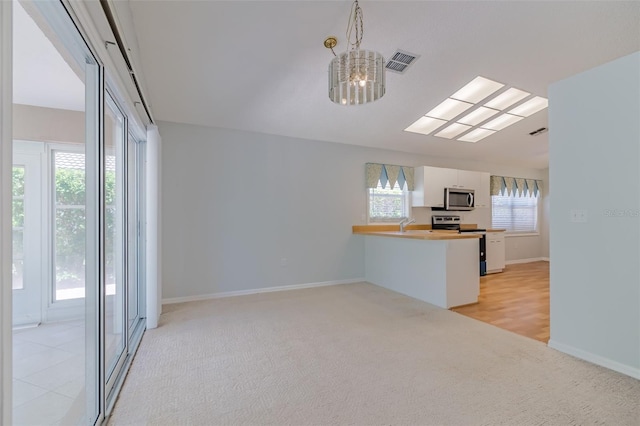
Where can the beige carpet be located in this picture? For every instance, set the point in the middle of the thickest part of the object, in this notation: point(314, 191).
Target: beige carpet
point(357, 354)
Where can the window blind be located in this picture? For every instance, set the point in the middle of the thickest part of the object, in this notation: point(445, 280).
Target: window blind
point(514, 212)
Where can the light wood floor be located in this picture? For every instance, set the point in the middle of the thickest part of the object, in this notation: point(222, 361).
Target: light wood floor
point(516, 300)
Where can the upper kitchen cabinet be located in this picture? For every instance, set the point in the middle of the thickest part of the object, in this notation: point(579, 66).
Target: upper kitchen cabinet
point(430, 183)
point(483, 191)
point(467, 179)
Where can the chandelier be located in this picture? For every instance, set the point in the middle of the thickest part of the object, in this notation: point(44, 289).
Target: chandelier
point(357, 75)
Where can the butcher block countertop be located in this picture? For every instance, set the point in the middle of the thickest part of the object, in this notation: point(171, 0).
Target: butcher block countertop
point(416, 232)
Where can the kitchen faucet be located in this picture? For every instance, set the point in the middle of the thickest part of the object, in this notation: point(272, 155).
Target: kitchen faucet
point(404, 222)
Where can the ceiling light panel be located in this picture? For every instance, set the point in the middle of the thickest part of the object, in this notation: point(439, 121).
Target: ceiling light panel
point(449, 109)
point(452, 131)
point(477, 116)
point(476, 135)
point(503, 121)
point(478, 110)
point(478, 89)
point(530, 107)
point(425, 125)
point(506, 99)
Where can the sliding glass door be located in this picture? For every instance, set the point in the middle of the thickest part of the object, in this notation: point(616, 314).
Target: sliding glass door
point(78, 259)
point(115, 236)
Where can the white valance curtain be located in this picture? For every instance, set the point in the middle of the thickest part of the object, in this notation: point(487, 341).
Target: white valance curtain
point(384, 173)
point(504, 185)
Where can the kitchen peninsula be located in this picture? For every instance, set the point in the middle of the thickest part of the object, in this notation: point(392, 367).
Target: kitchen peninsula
point(438, 267)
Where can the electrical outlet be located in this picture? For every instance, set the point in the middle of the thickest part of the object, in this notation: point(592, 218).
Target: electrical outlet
point(578, 216)
point(283, 262)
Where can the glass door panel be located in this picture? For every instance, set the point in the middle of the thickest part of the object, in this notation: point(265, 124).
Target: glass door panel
point(57, 97)
point(115, 237)
point(133, 235)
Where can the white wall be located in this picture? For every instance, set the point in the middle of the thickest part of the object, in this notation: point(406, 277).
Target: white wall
point(594, 166)
point(545, 205)
point(236, 203)
point(33, 123)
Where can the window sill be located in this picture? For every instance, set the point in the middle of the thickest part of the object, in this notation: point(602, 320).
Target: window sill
point(521, 234)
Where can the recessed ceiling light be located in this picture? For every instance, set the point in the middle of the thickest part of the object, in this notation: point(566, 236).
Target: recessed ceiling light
point(505, 120)
point(425, 125)
point(476, 135)
point(449, 109)
point(477, 116)
point(506, 99)
point(530, 107)
point(478, 89)
point(452, 131)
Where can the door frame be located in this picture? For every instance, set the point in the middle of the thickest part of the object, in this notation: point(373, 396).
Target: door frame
point(31, 155)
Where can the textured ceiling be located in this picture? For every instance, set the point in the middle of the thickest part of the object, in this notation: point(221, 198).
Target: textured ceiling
point(261, 66)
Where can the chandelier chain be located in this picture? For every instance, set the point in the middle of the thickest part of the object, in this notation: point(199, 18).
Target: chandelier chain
point(355, 25)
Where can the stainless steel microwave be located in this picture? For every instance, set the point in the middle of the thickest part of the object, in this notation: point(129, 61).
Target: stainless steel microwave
point(458, 199)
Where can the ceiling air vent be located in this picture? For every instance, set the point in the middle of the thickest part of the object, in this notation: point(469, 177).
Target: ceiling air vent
point(537, 132)
point(400, 61)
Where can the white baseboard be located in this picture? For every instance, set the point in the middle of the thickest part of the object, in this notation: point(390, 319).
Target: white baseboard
point(257, 290)
point(596, 359)
point(529, 260)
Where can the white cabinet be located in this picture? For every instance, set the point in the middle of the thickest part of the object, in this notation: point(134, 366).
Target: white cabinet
point(467, 179)
point(430, 183)
point(495, 252)
point(483, 192)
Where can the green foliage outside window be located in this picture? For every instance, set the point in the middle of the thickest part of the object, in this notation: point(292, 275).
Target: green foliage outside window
point(18, 194)
point(386, 204)
point(70, 226)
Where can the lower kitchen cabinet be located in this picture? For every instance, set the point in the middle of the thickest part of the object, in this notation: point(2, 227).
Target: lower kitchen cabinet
point(495, 252)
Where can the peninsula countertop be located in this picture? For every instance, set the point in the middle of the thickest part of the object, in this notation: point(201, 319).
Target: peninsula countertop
point(416, 232)
point(420, 234)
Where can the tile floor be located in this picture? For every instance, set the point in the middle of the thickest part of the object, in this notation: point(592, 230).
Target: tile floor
point(49, 374)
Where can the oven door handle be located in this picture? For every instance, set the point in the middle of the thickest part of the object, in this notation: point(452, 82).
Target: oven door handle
point(470, 200)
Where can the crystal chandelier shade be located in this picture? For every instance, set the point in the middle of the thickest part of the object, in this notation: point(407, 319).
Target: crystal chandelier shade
point(356, 77)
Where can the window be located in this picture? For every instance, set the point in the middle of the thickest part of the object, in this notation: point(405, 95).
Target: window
point(18, 227)
point(515, 213)
point(388, 204)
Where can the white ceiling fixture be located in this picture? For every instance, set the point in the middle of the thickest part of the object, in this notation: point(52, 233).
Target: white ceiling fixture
point(449, 109)
point(530, 107)
point(477, 116)
point(476, 135)
point(507, 98)
point(452, 130)
point(477, 90)
point(356, 76)
point(425, 125)
point(502, 122)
